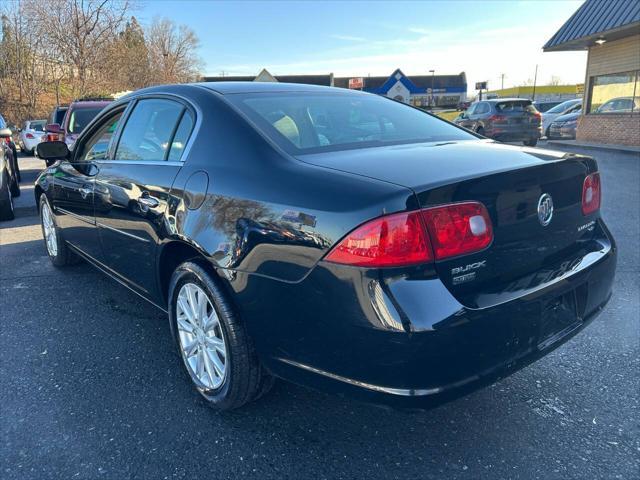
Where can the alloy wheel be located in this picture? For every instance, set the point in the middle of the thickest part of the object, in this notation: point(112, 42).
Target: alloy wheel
point(49, 227)
point(202, 341)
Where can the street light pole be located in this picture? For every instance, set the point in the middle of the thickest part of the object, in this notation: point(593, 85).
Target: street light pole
point(433, 72)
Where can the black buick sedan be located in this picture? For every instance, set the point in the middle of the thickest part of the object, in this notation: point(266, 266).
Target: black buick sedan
point(332, 238)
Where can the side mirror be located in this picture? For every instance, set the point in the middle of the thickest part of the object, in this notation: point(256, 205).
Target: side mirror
point(51, 151)
point(53, 128)
point(5, 133)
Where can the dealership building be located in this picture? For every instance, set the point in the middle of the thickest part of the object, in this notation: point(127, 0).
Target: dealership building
point(418, 90)
point(610, 31)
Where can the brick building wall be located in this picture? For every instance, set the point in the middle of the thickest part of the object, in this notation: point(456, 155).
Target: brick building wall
point(617, 56)
point(623, 129)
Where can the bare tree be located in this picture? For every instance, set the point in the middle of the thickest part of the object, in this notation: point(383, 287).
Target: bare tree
point(22, 65)
point(172, 52)
point(78, 32)
point(555, 80)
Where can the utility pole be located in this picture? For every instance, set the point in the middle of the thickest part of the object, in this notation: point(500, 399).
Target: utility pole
point(433, 73)
point(502, 81)
point(535, 79)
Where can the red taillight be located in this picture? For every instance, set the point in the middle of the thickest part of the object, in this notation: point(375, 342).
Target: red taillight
point(591, 193)
point(29, 136)
point(391, 241)
point(411, 238)
point(498, 118)
point(458, 229)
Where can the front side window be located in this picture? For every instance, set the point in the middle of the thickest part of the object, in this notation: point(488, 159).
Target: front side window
point(614, 93)
point(149, 129)
point(97, 147)
point(316, 122)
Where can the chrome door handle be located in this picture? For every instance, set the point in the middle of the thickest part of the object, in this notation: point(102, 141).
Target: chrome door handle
point(147, 202)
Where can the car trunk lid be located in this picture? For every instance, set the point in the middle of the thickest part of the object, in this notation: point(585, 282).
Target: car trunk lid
point(511, 182)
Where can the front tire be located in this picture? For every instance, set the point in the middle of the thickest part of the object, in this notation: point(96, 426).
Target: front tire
point(59, 252)
point(532, 142)
point(212, 341)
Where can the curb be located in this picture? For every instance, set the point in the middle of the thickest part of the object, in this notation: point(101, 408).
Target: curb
point(592, 146)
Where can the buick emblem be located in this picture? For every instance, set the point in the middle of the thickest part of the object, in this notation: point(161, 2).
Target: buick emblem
point(545, 209)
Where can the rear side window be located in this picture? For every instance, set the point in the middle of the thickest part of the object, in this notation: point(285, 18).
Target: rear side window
point(482, 108)
point(149, 129)
point(181, 137)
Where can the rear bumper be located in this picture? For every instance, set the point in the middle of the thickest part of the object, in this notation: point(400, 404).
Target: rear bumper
point(514, 133)
point(556, 132)
point(404, 340)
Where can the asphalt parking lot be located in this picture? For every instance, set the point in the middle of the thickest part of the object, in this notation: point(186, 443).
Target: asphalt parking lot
point(92, 387)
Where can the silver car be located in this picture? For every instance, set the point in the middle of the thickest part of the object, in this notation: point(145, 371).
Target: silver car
point(31, 135)
point(564, 108)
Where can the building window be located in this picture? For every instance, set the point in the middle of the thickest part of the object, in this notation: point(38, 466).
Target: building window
point(615, 93)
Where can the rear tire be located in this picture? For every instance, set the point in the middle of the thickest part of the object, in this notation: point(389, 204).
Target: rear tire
point(6, 202)
point(57, 249)
point(243, 378)
point(16, 167)
point(480, 131)
point(531, 142)
point(15, 188)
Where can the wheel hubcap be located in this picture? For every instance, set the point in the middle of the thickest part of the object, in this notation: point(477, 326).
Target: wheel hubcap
point(202, 342)
point(49, 230)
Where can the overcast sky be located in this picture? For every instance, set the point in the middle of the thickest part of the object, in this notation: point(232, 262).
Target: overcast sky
point(483, 39)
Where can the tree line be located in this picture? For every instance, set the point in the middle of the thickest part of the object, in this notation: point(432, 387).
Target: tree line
point(53, 51)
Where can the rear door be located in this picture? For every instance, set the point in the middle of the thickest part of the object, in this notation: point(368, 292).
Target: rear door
point(132, 190)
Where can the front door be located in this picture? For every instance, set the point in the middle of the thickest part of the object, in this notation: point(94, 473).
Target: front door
point(132, 190)
point(74, 188)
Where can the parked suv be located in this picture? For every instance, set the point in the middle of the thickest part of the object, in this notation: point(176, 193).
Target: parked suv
point(9, 186)
point(78, 116)
point(8, 142)
point(31, 135)
point(504, 119)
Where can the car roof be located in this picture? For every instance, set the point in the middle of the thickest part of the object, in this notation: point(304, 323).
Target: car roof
point(90, 104)
point(496, 100)
point(226, 88)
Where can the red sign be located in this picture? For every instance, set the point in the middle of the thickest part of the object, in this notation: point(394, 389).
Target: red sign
point(356, 82)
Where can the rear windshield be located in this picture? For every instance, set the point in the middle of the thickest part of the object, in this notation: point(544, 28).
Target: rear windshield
point(81, 117)
point(37, 126)
point(515, 106)
point(318, 122)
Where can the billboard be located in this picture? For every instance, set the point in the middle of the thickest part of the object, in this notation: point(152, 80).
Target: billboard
point(356, 83)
